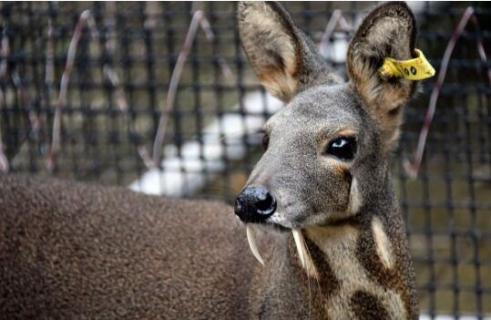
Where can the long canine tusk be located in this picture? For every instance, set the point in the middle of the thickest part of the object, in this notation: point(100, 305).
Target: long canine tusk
point(299, 242)
point(251, 239)
point(305, 259)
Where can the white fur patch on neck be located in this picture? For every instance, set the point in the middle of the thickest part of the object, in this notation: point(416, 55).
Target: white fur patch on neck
point(339, 247)
point(382, 243)
point(355, 200)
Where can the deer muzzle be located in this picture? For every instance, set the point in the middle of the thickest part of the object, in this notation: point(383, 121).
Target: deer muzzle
point(254, 204)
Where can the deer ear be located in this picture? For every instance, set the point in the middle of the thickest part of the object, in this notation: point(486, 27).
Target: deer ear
point(388, 31)
point(283, 58)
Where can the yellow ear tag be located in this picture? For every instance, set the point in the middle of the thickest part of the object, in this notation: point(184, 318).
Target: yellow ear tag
point(413, 69)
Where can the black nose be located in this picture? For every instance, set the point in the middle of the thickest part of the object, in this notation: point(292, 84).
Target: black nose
point(254, 204)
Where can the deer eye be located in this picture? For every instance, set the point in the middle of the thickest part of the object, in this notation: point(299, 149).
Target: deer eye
point(343, 148)
point(265, 141)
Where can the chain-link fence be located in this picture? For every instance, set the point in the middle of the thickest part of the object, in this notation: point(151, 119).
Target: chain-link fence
point(159, 96)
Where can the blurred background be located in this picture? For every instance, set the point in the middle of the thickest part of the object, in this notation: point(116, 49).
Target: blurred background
point(159, 97)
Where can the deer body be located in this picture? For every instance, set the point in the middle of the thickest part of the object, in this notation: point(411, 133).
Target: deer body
point(320, 199)
point(70, 250)
point(74, 251)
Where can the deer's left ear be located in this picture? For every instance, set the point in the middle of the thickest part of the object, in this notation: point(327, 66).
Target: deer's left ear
point(387, 32)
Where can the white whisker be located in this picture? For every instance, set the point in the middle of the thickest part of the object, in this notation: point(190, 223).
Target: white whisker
point(251, 239)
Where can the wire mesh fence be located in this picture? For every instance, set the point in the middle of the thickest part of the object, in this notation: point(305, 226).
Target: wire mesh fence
point(84, 94)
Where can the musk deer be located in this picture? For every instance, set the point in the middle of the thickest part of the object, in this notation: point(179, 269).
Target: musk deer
point(319, 208)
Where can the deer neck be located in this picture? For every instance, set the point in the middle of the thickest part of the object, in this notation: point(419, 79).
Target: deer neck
point(362, 268)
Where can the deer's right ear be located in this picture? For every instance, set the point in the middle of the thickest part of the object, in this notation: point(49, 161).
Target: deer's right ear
point(284, 60)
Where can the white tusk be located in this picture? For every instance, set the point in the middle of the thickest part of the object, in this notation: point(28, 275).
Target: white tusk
point(299, 242)
point(305, 259)
point(251, 238)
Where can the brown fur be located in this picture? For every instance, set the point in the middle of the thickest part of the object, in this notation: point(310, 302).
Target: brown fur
point(74, 251)
point(69, 250)
point(367, 307)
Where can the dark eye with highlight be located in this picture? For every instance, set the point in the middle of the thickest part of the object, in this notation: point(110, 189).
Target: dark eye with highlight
point(265, 141)
point(343, 148)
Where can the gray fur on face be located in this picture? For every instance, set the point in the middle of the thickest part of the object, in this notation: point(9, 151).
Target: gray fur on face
point(311, 187)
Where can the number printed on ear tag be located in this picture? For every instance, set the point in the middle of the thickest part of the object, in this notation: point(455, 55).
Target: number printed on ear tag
point(413, 69)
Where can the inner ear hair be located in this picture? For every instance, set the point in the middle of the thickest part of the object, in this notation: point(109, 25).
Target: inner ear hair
point(284, 59)
point(271, 46)
point(389, 31)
